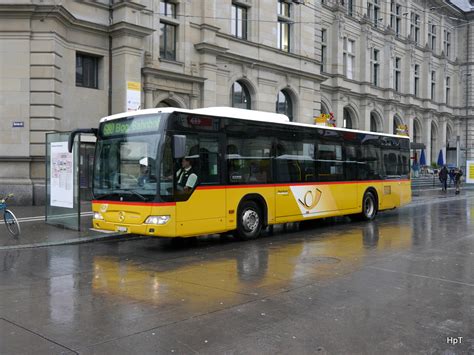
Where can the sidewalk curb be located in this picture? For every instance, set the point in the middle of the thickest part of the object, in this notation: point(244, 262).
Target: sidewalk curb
point(80, 240)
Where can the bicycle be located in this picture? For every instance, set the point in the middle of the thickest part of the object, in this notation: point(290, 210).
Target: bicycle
point(9, 218)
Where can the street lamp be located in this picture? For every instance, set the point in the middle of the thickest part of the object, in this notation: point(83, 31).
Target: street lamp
point(467, 110)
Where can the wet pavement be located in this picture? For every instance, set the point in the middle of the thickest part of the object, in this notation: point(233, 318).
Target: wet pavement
point(401, 284)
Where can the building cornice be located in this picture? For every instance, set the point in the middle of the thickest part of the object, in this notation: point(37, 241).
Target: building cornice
point(130, 4)
point(170, 75)
point(125, 28)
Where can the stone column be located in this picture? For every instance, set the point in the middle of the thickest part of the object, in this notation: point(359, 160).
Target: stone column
point(148, 97)
point(427, 138)
point(128, 43)
point(442, 137)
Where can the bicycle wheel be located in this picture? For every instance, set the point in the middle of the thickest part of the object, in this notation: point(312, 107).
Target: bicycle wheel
point(11, 223)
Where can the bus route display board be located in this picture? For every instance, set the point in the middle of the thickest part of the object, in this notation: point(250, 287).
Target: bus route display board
point(130, 125)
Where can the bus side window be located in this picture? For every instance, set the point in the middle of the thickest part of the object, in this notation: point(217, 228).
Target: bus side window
point(209, 160)
point(329, 162)
point(248, 160)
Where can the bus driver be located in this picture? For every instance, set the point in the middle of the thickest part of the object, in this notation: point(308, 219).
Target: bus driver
point(186, 177)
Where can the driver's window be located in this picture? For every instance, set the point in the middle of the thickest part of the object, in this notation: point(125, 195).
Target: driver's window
point(187, 169)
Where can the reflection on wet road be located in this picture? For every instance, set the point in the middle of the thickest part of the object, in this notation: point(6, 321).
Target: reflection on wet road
point(402, 283)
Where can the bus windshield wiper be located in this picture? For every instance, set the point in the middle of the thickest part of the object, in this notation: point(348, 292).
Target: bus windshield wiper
point(133, 192)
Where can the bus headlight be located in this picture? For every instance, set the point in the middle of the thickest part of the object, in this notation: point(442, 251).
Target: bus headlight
point(157, 220)
point(97, 215)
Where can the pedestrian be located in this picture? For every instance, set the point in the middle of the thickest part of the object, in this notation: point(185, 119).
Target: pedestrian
point(451, 177)
point(457, 179)
point(443, 177)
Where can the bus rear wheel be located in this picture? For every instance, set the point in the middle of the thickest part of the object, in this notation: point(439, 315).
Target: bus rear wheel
point(369, 207)
point(250, 221)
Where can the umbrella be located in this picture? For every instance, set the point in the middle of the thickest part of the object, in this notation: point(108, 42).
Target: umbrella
point(440, 158)
point(422, 158)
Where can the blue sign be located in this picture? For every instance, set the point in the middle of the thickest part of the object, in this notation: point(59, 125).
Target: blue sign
point(18, 124)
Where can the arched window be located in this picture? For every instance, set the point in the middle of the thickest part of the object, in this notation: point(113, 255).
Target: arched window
point(324, 108)
point(416, 132)
point(240, 96)
point(347, 123)
point(284, 104)
point(374, 127)
point(396, 122)
point(164, 103)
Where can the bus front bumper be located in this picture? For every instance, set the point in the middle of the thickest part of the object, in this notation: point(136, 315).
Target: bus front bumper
point(165, 230)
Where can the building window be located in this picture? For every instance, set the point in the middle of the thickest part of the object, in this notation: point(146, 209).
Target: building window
point(324, 49)
point(447, 43)
point(239, 21)
point(433, 85)
point(349, 5)
point(415, 27)
point(448, 90)
point(374, 66)
point(168, 41)
point(347, 119)
point(167, 9)
point(349, 58)
point(284, 104)
point(168, 27)
point(373, 11)
point(395, 17)
point(432, 36)
point(87, 71)
point(373, 123)
point(416, 82)
point(284, 25)
point(397, 74)
point(240, 96)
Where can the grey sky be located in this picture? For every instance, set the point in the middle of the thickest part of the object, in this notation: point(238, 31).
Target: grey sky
point(463, 4)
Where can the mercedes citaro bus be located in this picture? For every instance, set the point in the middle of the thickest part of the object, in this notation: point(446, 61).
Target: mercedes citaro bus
point(243, 170)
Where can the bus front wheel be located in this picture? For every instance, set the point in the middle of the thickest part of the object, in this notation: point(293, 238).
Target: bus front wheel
point(369, 207)
point(250, 221)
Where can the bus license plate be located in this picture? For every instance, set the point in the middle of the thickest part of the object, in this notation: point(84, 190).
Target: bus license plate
point(122, 229)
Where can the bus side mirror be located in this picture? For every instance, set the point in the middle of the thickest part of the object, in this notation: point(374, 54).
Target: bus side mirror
point(75, 132)
point(179, 144)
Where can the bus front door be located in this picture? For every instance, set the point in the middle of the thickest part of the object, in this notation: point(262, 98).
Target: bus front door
point(203, 212)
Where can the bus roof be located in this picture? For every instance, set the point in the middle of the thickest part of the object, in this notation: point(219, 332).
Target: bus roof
point(232, 112)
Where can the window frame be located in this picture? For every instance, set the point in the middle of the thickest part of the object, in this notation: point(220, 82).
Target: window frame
point(284, 25)
point(374, 66)
point(324, 47)
point(397, 70)
point(448, 91)
point(349, 58)
point(235, 22)
point(373, 11)
point(245, 92)
point(415, 27)
point(432, 35)
point(416, 81)
point(95, 75)
point(395, 17)
point(433, 85)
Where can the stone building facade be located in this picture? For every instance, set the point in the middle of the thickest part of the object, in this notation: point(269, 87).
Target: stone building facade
point(63, 65)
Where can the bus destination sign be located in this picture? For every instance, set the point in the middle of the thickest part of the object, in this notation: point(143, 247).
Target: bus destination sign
point(139, 124)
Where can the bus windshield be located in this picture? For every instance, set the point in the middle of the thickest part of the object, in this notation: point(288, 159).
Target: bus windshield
point(125, 162)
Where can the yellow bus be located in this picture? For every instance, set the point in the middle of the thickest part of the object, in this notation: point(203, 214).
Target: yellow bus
point(171, 172)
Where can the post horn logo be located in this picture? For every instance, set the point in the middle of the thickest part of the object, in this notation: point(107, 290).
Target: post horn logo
point(103, 207)
point(310, 199)
point(121, 216)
